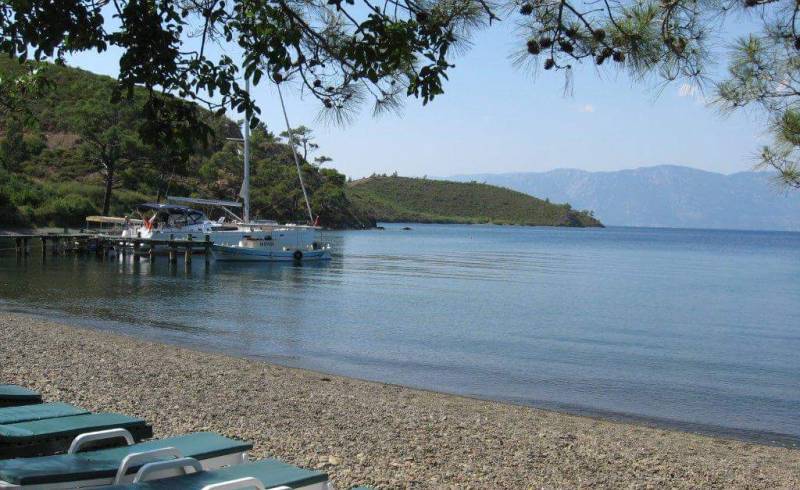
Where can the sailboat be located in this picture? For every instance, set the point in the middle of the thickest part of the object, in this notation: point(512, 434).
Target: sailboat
point(267, 241)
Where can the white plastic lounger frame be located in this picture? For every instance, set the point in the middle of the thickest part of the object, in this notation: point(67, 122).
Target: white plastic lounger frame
point(150, 457)
point(100, 435)
point(158, 469)
point(241, 484)
point(155, 471)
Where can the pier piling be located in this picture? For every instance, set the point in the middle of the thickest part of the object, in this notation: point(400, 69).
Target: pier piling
point(173, 253)
point(187, 254)
point(22, 247)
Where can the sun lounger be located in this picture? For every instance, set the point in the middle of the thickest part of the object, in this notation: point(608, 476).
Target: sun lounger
point(269, 473)
point(40, 411)
point(13, 395)
point(104, 466)
point(51, 436)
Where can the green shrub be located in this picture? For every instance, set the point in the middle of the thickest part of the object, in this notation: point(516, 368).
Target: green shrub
point(21, 190)
point(34, 144)
point(69, 210)
point(10, 215)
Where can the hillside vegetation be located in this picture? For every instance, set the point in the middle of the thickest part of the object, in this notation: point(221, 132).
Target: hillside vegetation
point(398, 199)
point(74, 153)
point(58, 158)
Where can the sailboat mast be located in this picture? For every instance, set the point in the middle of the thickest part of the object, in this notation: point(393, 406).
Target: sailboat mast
point(246, 179)
point(294, 153)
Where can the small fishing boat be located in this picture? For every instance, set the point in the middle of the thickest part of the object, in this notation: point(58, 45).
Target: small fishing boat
point(269, 249)
point(109, 225)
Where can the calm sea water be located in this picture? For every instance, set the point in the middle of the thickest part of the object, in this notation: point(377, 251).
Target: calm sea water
point(694, 328)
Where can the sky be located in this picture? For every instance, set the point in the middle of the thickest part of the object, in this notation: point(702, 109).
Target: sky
point(494, 118)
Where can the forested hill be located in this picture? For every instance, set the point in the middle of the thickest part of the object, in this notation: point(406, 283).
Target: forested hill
point(436, 201)
point(56, 157)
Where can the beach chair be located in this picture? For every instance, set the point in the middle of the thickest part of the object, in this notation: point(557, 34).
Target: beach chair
point(40, 411)
point(266, 474)
point(13, 395)
point(54, 435)
point(121, 464)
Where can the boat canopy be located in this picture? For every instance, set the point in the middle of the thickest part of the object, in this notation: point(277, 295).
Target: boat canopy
point(114, 220)
point(223, 205)
point(204, 202)
point(169, 208)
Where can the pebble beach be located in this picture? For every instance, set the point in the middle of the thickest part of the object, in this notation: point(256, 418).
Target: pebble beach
point(370, 433)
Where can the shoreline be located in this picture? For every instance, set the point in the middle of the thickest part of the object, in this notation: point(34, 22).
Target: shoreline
point(750, 436)
point(368, 432)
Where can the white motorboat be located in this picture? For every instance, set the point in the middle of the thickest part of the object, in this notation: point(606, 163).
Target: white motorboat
point(174, 222)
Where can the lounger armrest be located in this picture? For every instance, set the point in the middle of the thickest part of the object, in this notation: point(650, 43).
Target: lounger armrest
point(242, 483)
point(173, 464)
point(100, 435)
point(144, 457)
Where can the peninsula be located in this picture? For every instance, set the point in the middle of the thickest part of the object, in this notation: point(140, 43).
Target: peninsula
point(405, 199)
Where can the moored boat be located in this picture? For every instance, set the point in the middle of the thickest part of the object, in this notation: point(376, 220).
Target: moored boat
point(175, 222)
point(109, 225)
point(278, 249)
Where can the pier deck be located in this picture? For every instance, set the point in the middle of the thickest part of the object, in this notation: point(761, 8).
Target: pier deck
point(104, 244)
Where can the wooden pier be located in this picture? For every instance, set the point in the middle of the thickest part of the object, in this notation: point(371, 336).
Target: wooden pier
point(103, 245)
point(60, 244)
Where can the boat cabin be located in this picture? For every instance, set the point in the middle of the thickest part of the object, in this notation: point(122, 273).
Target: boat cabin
point(162, 216)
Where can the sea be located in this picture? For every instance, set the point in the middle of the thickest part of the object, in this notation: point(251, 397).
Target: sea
point(697, 330)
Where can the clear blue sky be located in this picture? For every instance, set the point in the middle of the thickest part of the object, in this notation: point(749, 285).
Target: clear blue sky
point(494, 117)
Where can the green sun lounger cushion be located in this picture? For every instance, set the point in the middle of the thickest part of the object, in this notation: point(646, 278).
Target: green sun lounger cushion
point(12, 395)
point(26, 413)
point(103, 463)
point(50, 436)
point(271, 472)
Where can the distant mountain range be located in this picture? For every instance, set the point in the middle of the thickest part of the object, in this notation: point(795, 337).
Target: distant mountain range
point(663, 196)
